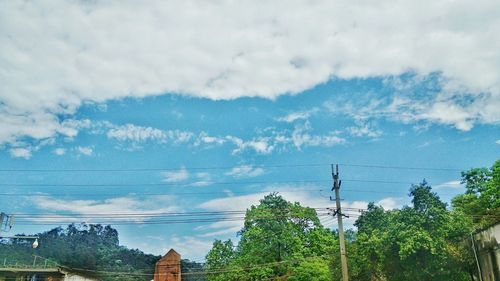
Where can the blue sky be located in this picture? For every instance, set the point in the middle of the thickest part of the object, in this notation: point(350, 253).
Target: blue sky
point(233, 103)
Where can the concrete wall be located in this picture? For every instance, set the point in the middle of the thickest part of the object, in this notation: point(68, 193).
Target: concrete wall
point(73, 277)
point(488, 251)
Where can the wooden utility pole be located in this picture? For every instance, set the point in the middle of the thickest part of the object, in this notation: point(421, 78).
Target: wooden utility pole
point(338, 212)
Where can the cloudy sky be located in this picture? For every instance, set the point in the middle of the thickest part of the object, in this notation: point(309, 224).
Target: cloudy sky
point(225, 101)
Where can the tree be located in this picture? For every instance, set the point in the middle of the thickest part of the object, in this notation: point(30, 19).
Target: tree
point(219, 260)
point(314, 269)
point(89, 247)
point(368, 254)
point(481, 200)
point(277, 236)
point(418, 242)
point(192, 271)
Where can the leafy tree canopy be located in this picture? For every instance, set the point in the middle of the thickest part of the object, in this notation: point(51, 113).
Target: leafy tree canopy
point(89, 247)
point(277, 239)
point(481, 200)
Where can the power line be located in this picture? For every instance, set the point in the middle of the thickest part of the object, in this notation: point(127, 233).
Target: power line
point(134, 194)
point(402, 167)
point(152, 169)
point(145, 213)
point(155, 194)
point(201, 272)
point(158, 221)
point(164, 169)
point(191, 184)
point(188, 221)
point(171, 218)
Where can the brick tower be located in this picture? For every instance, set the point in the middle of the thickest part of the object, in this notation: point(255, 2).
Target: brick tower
point(168, 268)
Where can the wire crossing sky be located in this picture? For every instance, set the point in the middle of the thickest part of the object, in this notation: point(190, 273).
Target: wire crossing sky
point(205, 107)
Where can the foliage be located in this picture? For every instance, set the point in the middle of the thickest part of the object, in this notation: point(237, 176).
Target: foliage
point(424, 241)
point(481, 200)
point(192, 271)
point(89, 247)
point(282, 240)
point(419, 242)
point(277, 238)
point(314, 269)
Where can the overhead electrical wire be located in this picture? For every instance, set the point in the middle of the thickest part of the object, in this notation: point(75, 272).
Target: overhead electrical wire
point(172, 218)
point(135, 194)
point(191, 184)
point(156, 194)
point(196, 270)
point(152, 222)
point(144, 169)
point(148, 218)
point(146, 213)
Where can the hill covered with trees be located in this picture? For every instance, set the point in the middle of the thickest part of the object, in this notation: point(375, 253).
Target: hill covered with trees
point(92, 249)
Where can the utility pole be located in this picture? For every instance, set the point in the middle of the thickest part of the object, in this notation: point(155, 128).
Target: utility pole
point(6, 222)
point(338, 212)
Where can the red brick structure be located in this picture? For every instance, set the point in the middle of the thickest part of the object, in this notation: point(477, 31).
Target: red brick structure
point(168, 268)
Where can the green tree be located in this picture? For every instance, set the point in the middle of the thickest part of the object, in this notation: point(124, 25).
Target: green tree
point(481, 200)
point(367, 255)
point(220, 261)
point(418, 242)
point(313, 269)
point(90, 247)
point(277, 236)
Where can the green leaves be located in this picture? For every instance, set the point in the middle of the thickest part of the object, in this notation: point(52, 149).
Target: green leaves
point(418, 242)
point(482, 199)
point(314, 269)
point(90, 247)
point(277, 236)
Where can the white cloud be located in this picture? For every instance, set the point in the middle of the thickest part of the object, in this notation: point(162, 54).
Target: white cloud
point(301, 137)
point(85, 150)
point(175, 176)
point(204, 138)
point(265, 142)
point(118, 205)
point(364, 130)
point(299, 115)
point(390, 203)
point(191, 247)
point(270, 141)
point(245, 171)
point(25, 150)
point(450, 184)
point(135, 133)
point(20, 152)
point(59, 151)
point(203, 179)
point(138, 134)
point(66, 52)
point(497, 142)
point(260, 145)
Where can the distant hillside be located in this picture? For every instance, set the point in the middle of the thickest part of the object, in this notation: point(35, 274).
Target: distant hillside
point(94, 249)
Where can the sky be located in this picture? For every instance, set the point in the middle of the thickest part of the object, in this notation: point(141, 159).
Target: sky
point(207, 106)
